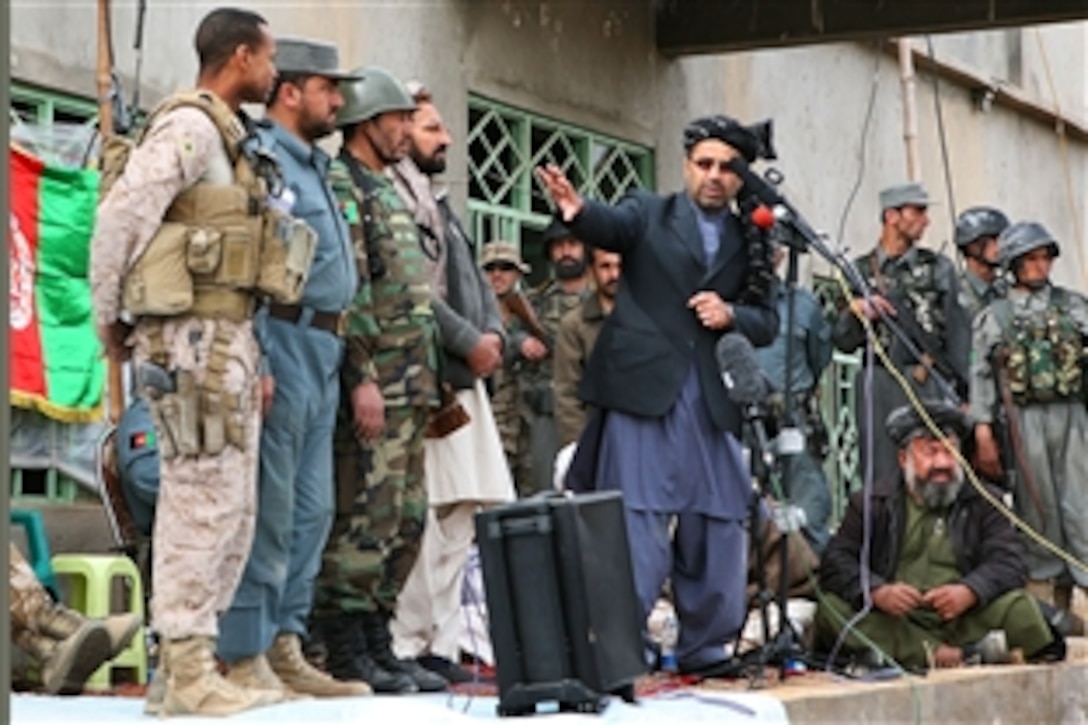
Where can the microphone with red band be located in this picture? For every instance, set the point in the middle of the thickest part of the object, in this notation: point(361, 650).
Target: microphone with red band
point(763, 217)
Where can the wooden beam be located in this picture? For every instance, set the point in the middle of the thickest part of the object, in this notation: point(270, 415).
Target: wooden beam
point(999, 94)
point(687, 27)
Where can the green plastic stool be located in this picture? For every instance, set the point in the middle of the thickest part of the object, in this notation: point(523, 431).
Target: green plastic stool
point(92, 578)
point(38, 544)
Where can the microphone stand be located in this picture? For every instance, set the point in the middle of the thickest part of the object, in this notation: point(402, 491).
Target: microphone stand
point(804, 238)
point(787, 643)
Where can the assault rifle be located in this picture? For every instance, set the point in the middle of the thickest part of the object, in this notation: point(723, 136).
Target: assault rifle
point(1002, 420)
point(519, 307)
point(932, 351)
point(1008, 434)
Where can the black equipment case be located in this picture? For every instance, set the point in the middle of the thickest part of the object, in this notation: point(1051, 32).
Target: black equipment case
point(564, 617)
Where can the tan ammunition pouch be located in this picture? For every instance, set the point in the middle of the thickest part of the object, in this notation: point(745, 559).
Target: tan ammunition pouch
point(112, 161)
point(204, 254)
point(200, 419)
point(287, 251)
point(219, 245)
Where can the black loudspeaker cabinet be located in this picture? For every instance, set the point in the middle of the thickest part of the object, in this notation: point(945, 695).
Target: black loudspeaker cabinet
point(564, 618)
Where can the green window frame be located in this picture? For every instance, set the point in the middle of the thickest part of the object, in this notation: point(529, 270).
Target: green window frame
point(505, 199)
point(30, 104)
point(838, 405)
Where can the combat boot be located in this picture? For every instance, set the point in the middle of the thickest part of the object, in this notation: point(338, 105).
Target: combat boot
point(58, 622)
point(122, 628)
point(67, 662)
point(195, 687)
point(287, 661)
point(348, 659)
point(380, 646)
point(255, 673)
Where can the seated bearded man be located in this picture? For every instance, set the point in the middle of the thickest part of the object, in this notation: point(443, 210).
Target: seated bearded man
point(945, 570)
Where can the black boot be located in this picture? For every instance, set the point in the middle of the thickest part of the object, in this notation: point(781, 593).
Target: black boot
point(379, 645)
point(347, 658)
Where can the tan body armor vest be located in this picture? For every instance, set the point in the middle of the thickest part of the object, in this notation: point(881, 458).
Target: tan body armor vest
point(220, 246)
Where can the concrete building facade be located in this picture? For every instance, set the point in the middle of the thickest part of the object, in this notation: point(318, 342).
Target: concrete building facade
point(1002, 115)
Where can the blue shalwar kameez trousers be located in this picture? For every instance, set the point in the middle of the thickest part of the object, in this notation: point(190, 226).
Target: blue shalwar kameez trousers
point(682, 466)
point(295, 490)
point(665, 433)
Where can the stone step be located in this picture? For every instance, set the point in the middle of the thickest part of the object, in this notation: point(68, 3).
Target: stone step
point(1055, 693)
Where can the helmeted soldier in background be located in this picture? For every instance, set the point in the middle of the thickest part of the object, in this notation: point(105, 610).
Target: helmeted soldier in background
point(917, 289)
point(197, 188)
point(388, 389)
point(551, 300)
point(67, 646)
point(1028, 360)
point(977, 230)
point(504, 267)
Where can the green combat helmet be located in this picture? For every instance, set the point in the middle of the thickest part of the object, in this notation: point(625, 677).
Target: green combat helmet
point(376, 91)
point(1021, 238)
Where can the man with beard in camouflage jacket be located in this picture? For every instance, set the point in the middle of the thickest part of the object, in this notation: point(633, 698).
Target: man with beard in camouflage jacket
point(551, 300)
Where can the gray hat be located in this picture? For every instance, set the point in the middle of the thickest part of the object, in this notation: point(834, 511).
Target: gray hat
point(900, 195)
point(905, 424)
point(314, 57)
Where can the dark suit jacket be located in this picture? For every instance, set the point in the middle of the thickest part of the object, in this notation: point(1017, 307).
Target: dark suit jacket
point(647, 344)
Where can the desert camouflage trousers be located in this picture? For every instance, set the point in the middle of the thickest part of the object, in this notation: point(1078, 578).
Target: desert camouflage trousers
point(27, 597)
point(207, 502)
point(381, 508)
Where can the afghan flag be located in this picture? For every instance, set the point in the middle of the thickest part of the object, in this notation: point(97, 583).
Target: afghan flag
point(56, 363)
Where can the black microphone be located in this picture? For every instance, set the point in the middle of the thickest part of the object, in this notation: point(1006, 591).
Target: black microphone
point(783, 210)
point(746, 386)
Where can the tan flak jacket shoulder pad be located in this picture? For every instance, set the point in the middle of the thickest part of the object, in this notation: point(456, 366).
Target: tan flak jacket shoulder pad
point(223, 116)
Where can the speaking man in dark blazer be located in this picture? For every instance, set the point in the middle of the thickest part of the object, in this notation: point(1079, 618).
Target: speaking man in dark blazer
point(665, 433)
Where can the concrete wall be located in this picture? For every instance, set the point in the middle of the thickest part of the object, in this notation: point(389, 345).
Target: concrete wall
point(595, 64)
point(819, 97)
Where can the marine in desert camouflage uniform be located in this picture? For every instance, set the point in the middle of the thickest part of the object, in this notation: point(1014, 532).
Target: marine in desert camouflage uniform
point(552, 300)
point(206, 503)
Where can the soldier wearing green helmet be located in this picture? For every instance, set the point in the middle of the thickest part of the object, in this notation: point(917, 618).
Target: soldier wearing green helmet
point(1028, 360)
point(389, 385)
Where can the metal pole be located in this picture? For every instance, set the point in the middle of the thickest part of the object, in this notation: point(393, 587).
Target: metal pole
point(5, 410)
point(910, 109)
